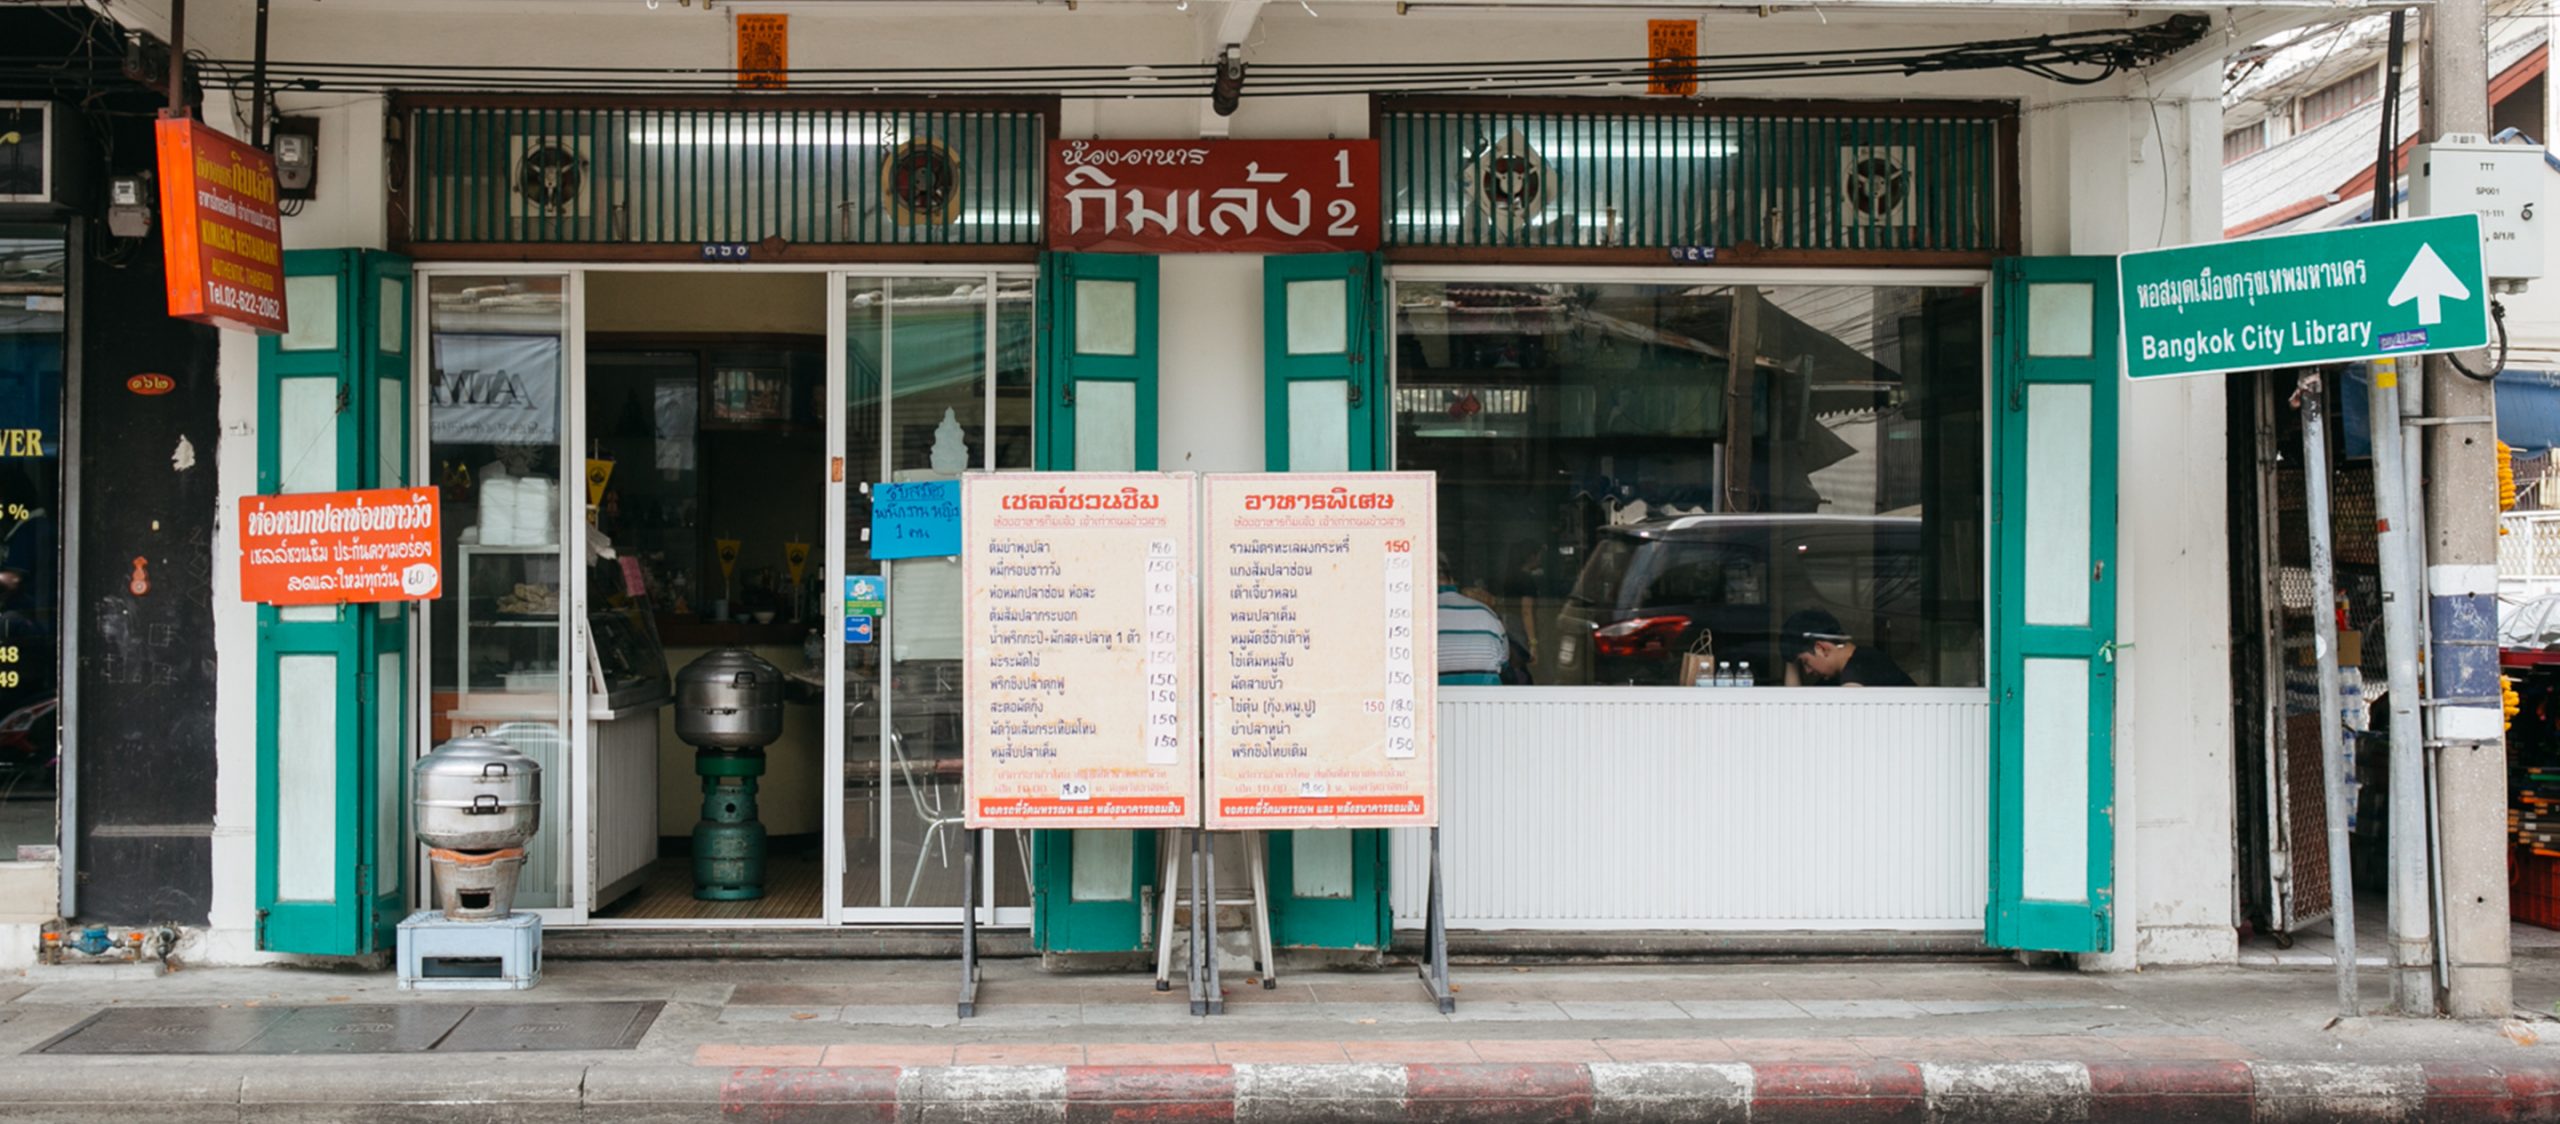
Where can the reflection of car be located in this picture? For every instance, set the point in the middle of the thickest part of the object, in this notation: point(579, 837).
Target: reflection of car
point(27, 755)
point(1650, 588)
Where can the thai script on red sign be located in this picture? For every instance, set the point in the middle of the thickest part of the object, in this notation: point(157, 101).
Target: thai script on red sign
point(1126, 499)
point(221, 238)
point(1208, 196)
point(322, 548)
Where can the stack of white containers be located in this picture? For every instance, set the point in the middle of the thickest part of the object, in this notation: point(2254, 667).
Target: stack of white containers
point(518, 511)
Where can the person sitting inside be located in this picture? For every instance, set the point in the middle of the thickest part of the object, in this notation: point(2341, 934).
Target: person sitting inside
point(1474, 647)
point(1820, 654)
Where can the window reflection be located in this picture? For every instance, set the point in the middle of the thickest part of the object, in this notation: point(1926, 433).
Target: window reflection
point(33, 270)
point(1624, 502)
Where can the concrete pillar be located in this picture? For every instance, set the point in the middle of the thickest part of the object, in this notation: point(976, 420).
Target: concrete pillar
point(2462, 585)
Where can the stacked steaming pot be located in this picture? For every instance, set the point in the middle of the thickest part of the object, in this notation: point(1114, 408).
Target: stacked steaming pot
point(729, 707)
point(476, 801)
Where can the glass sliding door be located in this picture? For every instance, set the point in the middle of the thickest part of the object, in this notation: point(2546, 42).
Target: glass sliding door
point(938, 381)
point(500, 661)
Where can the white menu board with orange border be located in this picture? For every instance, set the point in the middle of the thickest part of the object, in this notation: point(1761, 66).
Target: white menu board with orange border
point(1081, 649)
point(1320, 650)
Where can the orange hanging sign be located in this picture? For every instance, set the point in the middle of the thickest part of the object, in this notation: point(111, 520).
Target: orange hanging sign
point(324, 548)
point(1673, 47)
point(764, 52)
point(221, 239)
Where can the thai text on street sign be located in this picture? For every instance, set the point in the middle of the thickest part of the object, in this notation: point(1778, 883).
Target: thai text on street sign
point(1180, 197)
point(220, 235)
point(1081, 651)
point(2293, 300)
point(1672, 45)
point(323, 548)
point(1321, 654)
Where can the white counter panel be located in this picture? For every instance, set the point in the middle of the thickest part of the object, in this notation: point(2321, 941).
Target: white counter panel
point(1702, 808)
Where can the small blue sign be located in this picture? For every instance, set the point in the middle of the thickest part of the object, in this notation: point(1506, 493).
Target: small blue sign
point(920, 520)
point(726, 251)
point(857, 630)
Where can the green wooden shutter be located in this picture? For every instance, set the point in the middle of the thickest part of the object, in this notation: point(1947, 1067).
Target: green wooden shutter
point(2053, 674)
point(332, 680)
point(1324, 386)
point(1323, 372)
point(1098, 384)
point(1097, 387)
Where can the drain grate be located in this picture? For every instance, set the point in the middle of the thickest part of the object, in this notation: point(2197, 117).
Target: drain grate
point(388, 1028)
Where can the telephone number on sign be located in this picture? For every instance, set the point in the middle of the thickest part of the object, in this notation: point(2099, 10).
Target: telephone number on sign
point(245, 303)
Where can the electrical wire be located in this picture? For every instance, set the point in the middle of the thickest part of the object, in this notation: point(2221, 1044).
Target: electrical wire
point(2075, 58)
point(2498, 317)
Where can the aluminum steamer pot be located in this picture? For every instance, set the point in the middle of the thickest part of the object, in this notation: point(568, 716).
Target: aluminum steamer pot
point(476, 794)
point(729, 699)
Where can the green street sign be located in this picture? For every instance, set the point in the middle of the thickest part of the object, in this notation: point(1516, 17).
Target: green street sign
point(2294, 300)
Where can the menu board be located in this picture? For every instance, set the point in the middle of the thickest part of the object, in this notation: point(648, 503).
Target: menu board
point(1082, 649)
point(1321, 656)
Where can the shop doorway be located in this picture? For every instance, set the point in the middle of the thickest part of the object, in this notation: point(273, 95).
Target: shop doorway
point(705, 459)
point(683, 461)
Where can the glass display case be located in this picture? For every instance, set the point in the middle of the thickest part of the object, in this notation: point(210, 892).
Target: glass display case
point(626, 668)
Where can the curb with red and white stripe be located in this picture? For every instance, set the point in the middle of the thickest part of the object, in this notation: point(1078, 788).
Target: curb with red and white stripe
point(1602, 1092)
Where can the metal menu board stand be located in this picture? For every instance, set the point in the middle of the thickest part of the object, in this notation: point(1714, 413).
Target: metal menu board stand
point(1086, 649)
point(1320, 642)
point(1080, 650)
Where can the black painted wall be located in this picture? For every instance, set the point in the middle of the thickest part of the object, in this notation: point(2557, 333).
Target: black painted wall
point(145, 518)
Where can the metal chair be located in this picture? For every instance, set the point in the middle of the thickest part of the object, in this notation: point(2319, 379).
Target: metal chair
point(935, 809)
point(927, 796)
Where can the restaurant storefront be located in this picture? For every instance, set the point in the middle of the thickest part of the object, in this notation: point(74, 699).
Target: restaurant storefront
point(1687, 371)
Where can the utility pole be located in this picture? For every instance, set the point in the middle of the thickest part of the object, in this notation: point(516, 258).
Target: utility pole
point(2469, 741)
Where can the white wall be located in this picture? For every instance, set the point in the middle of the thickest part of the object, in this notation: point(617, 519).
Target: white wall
point(2120, 165)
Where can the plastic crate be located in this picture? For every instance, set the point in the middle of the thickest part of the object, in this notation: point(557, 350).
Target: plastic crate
point(2533, 888)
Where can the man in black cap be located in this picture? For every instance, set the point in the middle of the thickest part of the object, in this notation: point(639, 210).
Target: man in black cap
point(1820, 654)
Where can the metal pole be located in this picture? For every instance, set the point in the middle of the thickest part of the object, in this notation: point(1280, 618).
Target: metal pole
point(2462, 581)
point(2412, 970)
point(258, 83)
point(177, 58)
point(2324, 630)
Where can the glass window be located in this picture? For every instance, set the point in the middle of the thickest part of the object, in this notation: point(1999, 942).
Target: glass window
point(938, 382)
point(1622, 499)
point(494, 431)
point(33, 272)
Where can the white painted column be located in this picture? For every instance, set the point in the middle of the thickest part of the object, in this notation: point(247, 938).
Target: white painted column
point(2120, 167)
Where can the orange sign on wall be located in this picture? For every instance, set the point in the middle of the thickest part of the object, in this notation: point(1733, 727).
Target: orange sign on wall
point(220, 234)
point(764, 52)
point(323, 548)
point(1673, 47)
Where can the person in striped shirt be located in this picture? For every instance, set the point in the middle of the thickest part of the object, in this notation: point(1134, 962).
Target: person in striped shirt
point(1474, 646)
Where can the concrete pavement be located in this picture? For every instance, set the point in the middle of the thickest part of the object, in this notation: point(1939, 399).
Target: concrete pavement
point(1822, 1041)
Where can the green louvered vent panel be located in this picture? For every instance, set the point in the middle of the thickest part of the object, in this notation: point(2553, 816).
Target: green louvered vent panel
point(1777, 180)
point(631, 175)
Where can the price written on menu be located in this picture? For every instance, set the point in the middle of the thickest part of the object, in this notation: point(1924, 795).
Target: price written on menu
point(1082, 650)
point(1320, 651)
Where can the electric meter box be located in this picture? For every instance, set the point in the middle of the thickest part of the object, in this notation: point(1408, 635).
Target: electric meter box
point(2503, 182)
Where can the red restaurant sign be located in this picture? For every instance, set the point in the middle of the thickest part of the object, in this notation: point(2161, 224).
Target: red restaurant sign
point(1178, 197)
point(220, 235)
point(323, 548)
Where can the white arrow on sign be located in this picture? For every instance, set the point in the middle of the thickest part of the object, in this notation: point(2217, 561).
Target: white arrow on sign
point(2429, 282)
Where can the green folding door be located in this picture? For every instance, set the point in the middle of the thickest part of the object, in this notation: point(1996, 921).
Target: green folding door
point(1097, 387)
point(1324, 387)
point(2053, 674)
point(333, 728)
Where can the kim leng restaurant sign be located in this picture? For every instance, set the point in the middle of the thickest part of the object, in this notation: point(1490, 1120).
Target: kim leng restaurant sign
point(2332, 296)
